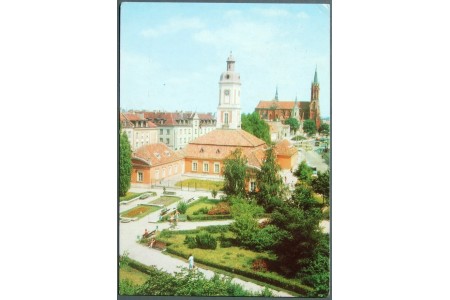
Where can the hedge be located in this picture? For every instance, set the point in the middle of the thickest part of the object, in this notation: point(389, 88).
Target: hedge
point(208, 217)
point(263, 277)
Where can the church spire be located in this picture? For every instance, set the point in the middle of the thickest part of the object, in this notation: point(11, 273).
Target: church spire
point(276, 94)
point(315, 76)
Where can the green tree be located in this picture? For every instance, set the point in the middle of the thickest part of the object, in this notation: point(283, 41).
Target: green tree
point(324, 129)
point(309, 126)
point(125, 165)
point(254, 125)
point(303, 198)
point(293, 124)
point(321, 184)
point(304, 172)
point(301, 234)
point(235, 173)
point(214, 193)
point(269, 182)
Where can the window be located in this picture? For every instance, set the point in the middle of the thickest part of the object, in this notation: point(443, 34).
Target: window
point(175, 169)
point(216, 167)
point(194, 166)
point(140, 177)
point(157, 174)
point(161, 140)
point(137, 144)
point(168, 131)
point(195, 131)
point(167, 141)
point(226, 118)
point(252, 186)
point(205, 167)
point(170, 170)
point(161, 131)
point(164, 172)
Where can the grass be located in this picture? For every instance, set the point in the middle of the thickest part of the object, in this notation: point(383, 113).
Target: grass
point(131, 195)
point(139, 211)
point(201, 184)
point(208, 203)
point(165, 200)
point(135, 276)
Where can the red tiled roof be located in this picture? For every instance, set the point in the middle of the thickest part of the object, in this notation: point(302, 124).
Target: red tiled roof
point(151, 124)
point(284, 147)
point(218, 145)
point(170, 118)
point(228, 137)
point(157, 154)
point(282, 104)
point(133, 117)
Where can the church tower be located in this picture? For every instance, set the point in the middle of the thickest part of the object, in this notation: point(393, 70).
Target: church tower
point(229, 109)
point(296, 111)
point(314, 108)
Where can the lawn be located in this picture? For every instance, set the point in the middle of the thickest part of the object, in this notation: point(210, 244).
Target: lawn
point(135, 276)
point(201, 184)
point(208, 203)
point(131, 195)
point(139, 211)
point(165, 200)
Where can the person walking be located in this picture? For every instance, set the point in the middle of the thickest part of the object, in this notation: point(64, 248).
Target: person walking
point(191, 262)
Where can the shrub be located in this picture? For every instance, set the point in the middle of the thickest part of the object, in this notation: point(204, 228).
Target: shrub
point(182, 207)
point(225, 242)
point(208, 217)
point(201, 211)
point(214, 194)
point(190, 241)
point(205, 241)
point(222, 208)
point(216, 228)
point(259, 265)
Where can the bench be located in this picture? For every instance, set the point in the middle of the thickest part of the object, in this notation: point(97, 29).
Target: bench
point(149, 234)
point(158, 245)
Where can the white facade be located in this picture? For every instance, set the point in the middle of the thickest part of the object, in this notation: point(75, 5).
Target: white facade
point(229, 109)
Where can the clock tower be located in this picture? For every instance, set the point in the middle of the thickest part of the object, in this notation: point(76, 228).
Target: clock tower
point(229, 109)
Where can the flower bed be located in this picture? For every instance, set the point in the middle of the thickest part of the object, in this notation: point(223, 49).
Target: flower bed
point(139, 211)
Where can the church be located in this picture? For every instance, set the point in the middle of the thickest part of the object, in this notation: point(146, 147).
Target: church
point(276, 110)
point(206, 154)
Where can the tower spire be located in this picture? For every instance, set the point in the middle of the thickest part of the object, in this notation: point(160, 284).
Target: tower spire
point(276, 93)
point(315, 76)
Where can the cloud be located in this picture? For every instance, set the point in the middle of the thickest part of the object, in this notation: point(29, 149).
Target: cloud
point(172, 26)
point(272, 12)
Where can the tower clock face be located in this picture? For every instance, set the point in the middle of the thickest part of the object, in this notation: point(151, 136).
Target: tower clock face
point(227, 92)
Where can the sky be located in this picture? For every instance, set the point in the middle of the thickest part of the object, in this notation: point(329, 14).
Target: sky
point(172, 54)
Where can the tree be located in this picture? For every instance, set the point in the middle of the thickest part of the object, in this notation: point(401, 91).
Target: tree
point(254, 125)
point(214, 193)
point(309, 126)
point(300, 233)
point(293, 124)
point(125, 165)
point(321, 184)
point(235, 173)
point(303, 198)
point(324, 129)
point(304, 172)
point(269, 182)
